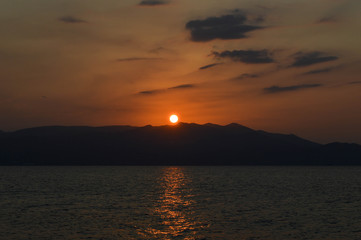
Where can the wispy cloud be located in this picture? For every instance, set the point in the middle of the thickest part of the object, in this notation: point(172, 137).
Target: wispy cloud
point(246, 56)
point(152, 2)
point(137, 59)
point(209, 66)
point(278, 89)
point(302, 59)
point(327, 20)
point(223, 27)
point(183, 86)
point(355, 82)
point(317, 71)
point(149, 92)
point(71, 19)
point(156, 91)
point(245, 76)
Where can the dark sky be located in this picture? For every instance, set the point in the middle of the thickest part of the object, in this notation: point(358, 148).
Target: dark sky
point(281, 66)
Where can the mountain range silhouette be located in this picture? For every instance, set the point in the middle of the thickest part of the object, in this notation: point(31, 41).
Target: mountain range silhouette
point(181, 144)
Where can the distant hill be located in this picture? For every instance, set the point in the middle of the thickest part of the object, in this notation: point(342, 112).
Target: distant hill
point(182, 144)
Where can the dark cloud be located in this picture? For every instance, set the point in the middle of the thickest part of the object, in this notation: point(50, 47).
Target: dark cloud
point(159, 50)
point(136, 59)
point(183, 86)
point(246, 56)
point(149, 92)
point(71, 19)
point(327, 20)
point(223, 27)
point(355, 82)
point(317, 71)
point(307, 59)
point(152, 2)
point(259, 19)
point(245, 75)
point(278, 89)
point(155, 91)
point(209, 66)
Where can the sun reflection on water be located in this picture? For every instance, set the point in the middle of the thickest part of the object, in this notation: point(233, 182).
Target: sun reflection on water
point(174, 215)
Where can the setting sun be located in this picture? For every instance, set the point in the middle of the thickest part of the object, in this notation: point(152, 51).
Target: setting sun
point(173, 118)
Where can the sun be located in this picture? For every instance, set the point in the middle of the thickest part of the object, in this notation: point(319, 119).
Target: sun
point(173, 118)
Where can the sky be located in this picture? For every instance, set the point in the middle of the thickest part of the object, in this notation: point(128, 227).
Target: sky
point(286, 66)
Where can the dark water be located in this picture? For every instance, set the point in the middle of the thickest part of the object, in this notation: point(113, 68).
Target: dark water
point(180, 203)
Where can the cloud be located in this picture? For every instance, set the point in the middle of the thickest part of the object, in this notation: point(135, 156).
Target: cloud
point(209, 66)
point(355, 82)
point(71, 19)
point(159, 50)
point(259, 19)
point(327, 20)
point(245, 75)
point(246, 56)
point(278, 89)
point(136, 59)
point(183, 86)
point(155, 91)
point(152, 2)
point(307, 59)
point(317, 71)
point(149, 92)
point(223, 27)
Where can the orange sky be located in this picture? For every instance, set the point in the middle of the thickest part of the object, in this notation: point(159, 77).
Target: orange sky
point(281, 66)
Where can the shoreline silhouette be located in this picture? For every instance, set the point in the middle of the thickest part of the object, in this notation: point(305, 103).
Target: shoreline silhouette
point(181, 144)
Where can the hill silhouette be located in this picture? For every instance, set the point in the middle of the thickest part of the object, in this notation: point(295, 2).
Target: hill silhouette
point(182, 144)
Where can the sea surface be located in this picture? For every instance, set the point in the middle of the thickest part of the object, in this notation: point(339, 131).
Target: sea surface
point(180, 203)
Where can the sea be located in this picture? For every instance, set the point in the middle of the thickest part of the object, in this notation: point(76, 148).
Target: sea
point(180, 202)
